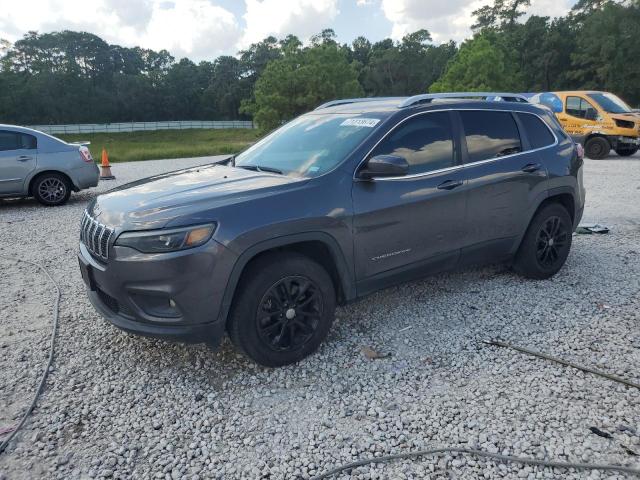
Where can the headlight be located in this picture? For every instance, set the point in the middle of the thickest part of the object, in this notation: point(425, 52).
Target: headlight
point(158, 241)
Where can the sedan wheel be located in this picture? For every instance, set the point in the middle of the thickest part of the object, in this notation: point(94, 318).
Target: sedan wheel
point(52, 189)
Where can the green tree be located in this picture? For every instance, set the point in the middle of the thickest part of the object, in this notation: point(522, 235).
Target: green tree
point(479, 65)
point(606, 46)
point(301, 80)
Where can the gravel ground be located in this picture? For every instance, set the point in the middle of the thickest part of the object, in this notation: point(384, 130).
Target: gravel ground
point(121, 406)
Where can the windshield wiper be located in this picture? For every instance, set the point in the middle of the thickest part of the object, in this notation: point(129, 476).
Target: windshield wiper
point(259, 168)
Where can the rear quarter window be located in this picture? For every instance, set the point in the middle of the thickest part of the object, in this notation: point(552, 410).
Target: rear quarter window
point(537, 131)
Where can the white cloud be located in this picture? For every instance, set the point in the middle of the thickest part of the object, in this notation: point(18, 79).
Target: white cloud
point(195, 28)
point(276, 17)
point(450, 19)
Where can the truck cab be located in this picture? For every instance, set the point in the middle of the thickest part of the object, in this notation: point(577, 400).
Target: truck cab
point(600, 121)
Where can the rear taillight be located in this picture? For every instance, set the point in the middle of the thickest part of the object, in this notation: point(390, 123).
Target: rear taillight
point(580, 151)
point(85, 154)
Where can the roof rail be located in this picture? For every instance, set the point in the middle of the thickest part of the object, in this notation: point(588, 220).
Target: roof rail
point(491, 96)
point(345, 101)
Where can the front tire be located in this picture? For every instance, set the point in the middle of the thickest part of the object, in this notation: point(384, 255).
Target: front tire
point(51, 189)
point(597, 148)
point(546, 244)
point(283, 310)
point(626, 152)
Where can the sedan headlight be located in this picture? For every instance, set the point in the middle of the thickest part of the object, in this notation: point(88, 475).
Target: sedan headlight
point(159, 241)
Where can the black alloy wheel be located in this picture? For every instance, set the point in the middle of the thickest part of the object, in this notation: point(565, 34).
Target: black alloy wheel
point(283, 309)
point(289, 313)
point(552, 239)
point(546, 243)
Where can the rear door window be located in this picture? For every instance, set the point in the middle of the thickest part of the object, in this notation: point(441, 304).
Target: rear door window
point(9, 141)
point(490, 134)
point(537, 131)
point(425, 141)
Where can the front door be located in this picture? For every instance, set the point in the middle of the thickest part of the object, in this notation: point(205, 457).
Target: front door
point(580, 117)
point(17, 160)
point(410, 224)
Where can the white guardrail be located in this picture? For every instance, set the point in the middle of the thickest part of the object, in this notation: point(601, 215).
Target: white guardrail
point(141, 126)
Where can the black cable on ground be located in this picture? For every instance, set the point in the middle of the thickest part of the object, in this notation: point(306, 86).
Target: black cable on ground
point(495, 456)
point(45, 374)
point(479, 453)
point(499, 343)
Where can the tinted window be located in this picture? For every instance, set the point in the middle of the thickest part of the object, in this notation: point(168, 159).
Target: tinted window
point(9, 141)
point(28, 142)
point(425, 141)
point(490, 134)
point(537, 132)
point(579, 107)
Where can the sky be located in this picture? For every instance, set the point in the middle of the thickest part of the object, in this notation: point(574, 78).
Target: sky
point(205, 29)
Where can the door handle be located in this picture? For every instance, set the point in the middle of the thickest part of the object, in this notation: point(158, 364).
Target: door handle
point(449, 184)
point(531, 167)
point(24, 158)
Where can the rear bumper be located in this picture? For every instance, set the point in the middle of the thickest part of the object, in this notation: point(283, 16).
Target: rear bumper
point(86, 176)
point(174, 296)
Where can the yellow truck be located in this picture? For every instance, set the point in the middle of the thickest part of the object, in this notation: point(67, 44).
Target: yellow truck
point(601, 121)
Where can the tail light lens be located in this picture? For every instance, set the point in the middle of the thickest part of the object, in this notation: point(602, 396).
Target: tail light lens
point(580, 151)
point(85, 154)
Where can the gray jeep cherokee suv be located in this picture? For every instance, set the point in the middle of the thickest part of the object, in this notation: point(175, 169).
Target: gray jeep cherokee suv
point(350, 198)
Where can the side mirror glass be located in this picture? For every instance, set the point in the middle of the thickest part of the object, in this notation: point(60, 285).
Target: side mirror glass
point(384, 166)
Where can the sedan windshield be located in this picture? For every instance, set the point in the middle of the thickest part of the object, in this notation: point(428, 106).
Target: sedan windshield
point(610, 103)
point(308, 146)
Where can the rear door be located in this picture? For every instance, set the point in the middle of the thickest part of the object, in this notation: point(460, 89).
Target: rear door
point(505, 175)
point(17, 160)
point(413, 222)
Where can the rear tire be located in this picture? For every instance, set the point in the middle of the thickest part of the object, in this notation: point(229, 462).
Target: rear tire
point(597, 148)
point(546, 244)
point(283, 310)
point(626, 152)
point(51, 189)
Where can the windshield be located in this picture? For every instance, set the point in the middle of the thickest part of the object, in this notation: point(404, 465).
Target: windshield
point(309, 145)
point(610, 103)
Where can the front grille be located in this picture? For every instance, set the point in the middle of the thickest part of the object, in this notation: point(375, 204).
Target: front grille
point(95, 236)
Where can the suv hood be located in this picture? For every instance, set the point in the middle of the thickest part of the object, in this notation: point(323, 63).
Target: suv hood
point(153, 202)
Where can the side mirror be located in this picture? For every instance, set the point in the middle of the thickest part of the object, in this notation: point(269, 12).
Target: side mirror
point(384, 166)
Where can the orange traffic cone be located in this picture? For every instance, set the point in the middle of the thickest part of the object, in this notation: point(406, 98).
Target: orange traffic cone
point(105, 168)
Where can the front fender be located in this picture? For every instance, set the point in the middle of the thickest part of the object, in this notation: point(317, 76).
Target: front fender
point(342, 266)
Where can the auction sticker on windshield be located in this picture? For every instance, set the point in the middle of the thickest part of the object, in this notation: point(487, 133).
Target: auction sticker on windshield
point(360, 122)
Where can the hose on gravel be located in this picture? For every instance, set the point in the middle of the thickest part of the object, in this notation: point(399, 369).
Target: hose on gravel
point(500, 343)
point(495, 456)
point(45, 374)
point(479, 453)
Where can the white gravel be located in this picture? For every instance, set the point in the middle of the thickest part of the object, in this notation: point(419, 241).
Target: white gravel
point(121, 406)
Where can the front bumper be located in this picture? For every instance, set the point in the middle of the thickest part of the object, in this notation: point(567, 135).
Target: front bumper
point(174, 296)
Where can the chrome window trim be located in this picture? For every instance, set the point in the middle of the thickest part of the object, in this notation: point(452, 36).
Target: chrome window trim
point(454, 167)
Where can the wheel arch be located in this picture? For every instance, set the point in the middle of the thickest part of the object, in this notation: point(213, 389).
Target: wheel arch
point(562, 195)
point(319, 246)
